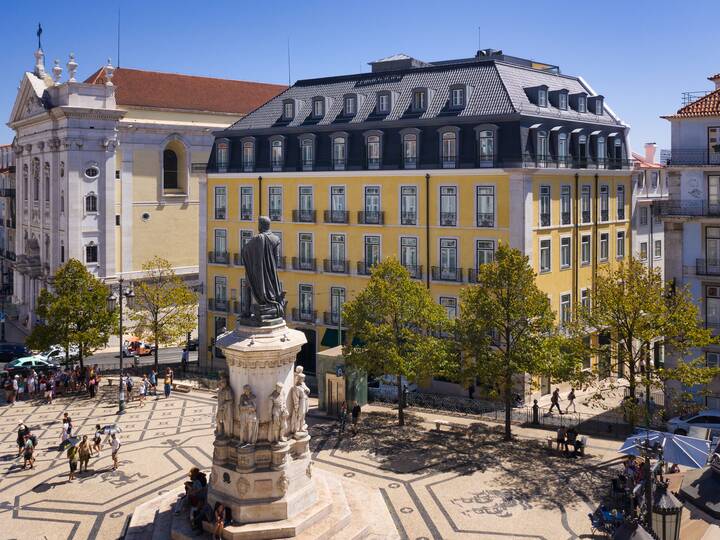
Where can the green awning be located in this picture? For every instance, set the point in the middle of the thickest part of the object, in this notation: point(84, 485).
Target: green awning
point(330, 338)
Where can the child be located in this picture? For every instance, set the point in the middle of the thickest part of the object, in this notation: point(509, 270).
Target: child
point(97, 441)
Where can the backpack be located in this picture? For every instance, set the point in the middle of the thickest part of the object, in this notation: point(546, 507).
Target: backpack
point(129, 383)
point(33, 440)
point(203, 479)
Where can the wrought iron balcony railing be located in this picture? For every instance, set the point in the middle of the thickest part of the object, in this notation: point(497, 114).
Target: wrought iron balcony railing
point(686, 208)
point(364, 268)
point(219, 304)
point(304, 216)
point(694, 157)
point(371, 217)
point(336, 216)
point(447, 273)
point(408, 218)
point(448, 219)
point(707, 267)
point(300, 263)
point(332, 318)
point(304, 315)
point(219, 257)
point(416, 271)
point(334, 266)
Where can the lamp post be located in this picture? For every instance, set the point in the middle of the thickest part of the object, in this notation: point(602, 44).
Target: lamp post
point(117, 298)
point(666, 513)
point(649, 451)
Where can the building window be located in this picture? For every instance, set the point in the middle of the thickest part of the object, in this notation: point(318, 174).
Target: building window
point(562, 101)
point(565, 252)
point(604, 203)
point(220, 245)
point(305, 251)
point(542, 97)
point(222, 155)
point(409, 254)
point(319, 108)
point(408, 205)
point(350, 105)
point(450, 305)
point(373, 152)
point(585, 298)
point(542, 147)
point(248, 156)
point(643, 250)
point(585, 249)
point(484, 252)
point(620, 202)
point(712, 360)
point(582, 149)
point(91, 203)
point(544, 206)
point(419, 100)
point(170, 169)
point(565, 205)
point(25, 182)
point(306, 302)
point(485, 202)
point(658, 249)
point(449, 149)
point(337, 299)
point(598, 106)
point(339, 152)
point(620, 245)
point(601, 150)
point(448, 206)
point(372, 214)
point(288, 110)
point(712, 307)
point(62, 202)
point(654, 179)
point(604, 246)
point(91, 253)
point(275, 203)
point(372, 251)
point(448, 259)
point(337, 204)
point(337, 253)
point(545, 255)
point(276, 155)
point(486, 148)
point(641, 180)
point(585, 203)
point(562, 150)
point(712, 245)
point(457, 98)
point(582, 104)
point(306, 200)
point(245, 237)
point(643, 215)
point(383, 103)
point(36, 179)
point(246, 203)
point(307, 147)
point(220, 202)
point(410, 150)
point(62, 251)
point(565, 304)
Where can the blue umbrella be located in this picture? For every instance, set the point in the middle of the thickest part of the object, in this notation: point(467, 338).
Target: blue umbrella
point(680, 449)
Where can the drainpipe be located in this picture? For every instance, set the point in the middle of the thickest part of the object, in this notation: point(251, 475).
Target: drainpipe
point(427, 230)
point(259, 196)
point(651, 242)
point(576, 242)
point(595, 232)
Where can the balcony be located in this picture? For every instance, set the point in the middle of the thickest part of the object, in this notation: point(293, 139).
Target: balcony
point(10, 255)
point(237, 259)
point(585, 216)
point(246, 214)
point(10, 223)
point(219, 257)
point(338, 164)
point(371, 217)
point(303, 315)
point(416, 271)
point(7, 192)
point(336, 216)
point(448, 219)
point(303, 216)
point(705, 267)
point(408, 218)
point(694, 157)
point(565, 218)
point(300, 263)
point(545, 220)
point(373, 163)
point(219, 304)
point(485, 219)
point(247, 166)
point(277, 165)
point(307, 164)
point(334, 266)
point(409, 163)
point(365, 268)
point(449, 161)
point(686, 208)
point(447, 273)
point(275, 214)
point(332, 318)
point(281, 262)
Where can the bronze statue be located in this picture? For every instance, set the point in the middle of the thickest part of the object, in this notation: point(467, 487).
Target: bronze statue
point(260, 256)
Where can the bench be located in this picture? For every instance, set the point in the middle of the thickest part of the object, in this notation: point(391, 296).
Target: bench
point(582, 439)
point(439, 423)
point(182, 388)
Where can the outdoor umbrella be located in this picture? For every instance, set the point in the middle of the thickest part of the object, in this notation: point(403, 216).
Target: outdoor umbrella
point(680, 449)
point(112, 428)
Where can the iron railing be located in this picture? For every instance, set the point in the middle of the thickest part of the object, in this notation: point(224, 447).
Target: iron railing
point(694, 156)
point(335, 266)
point(364, 268)
point(447, 273)
point(485, 219)
point(371, 217)
point(686, 208)
point(705, 267)
point(275, 214)
point(332, 318)
point(219, 304)
point(300, 263)
point(336, 216)
point(408, 218)
point(237, 259)
point(416, 271)
point(302, 315)
point(303, 216)
point(218, 257)
point(448, 219)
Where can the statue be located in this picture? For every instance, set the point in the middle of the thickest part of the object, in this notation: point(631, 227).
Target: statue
point(278, 415)
point(225, 406)
point(259, 256)
point(248, 416)
point(300, 394)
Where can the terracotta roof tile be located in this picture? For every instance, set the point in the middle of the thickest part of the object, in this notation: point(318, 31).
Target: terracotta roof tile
point(187, 92)
point(641, 162)
point(708, 105)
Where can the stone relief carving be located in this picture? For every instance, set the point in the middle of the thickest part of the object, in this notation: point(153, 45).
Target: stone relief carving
point(283, 483)
point(225, 407)
point(308, 470)
point(278, 415)
point(248, 417)
point(243, 486)
point(300, 394)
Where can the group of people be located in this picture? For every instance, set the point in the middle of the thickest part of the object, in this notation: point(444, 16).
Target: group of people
point(354, 415)
point(147, 386)
point(47, 386)
point(555, 401)
point(567, 437)
point(27, 442)
point(195, 498)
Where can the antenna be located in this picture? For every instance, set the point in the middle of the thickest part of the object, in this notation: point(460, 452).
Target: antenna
point(118, 37)
point(288, 51)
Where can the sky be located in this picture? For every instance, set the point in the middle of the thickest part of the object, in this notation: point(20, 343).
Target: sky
point(640, 55)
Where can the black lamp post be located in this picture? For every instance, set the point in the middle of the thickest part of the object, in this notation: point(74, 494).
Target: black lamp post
point(113, 299)
point(649, 451)
point(666, 513)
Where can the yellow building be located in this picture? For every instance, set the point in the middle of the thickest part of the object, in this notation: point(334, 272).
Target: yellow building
point(355, 169)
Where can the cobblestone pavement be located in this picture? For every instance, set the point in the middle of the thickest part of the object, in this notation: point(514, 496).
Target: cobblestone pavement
point(436, 485)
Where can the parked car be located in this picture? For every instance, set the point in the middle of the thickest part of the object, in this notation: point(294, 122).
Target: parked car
point(57, 353)
point(22, 366)
point(11, 351)
point(706, 419)
point(137, 347)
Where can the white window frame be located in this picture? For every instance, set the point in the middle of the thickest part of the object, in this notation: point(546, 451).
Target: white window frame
point(585, 257)
point(242, 192)
point(565, 252)
point(545, 244)
point(657, 249)
point(620, 245)
point(484, 223)
point(565, 308)
point(565, 201)
point(215, 203)
point(604, 249)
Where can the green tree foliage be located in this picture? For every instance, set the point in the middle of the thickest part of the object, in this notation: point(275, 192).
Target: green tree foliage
point(507, 328)
point(165, 308)
point(74, 312)
point(399, 328)
point(632, 307)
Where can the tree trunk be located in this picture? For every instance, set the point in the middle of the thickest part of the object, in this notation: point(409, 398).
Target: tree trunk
point(508, 405)
point(156, 356)
point(157, 363)
point(401, 402)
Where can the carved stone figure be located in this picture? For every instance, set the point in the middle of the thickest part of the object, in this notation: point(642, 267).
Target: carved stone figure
point(278, 414)
point(248, 419)
point(283, 483)
point(300, 394)
point(259, 256)
point(225, 407)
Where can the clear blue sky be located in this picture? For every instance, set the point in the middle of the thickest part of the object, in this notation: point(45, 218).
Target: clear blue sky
point(640, 55)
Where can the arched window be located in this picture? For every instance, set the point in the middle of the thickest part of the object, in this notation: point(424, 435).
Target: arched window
point(410, 150)
point(582, 148)
point(601, 152)
point(449, 149)
point(276, 150)
point(339, 152)
point(46, 171)
point(222, 155)
point(486, 147)
point(91, 203)
point(248, 156)
point(170, 169)
point(373, 152)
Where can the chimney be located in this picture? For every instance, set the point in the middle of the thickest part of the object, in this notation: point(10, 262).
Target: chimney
point(650, 149)
point(715, 79)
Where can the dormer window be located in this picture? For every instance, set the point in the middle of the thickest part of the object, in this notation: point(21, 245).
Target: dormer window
point(277, 154)
point(248, 154)
point(542, 97)
point(383, 103)
point(350, 106)
point(373, 144)
point(307, 151)
point(419, 100)
point(339, 150)
point(457, 97)
point(222, 154)
point(288, 110)
point(582, 104)
point(598, 106)
point(562, 101)
point(318, 107)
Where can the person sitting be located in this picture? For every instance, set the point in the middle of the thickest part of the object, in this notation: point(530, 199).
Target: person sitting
point(222, 519)
point(194, 491)
point(674, 468)
point(572, 439)
point(561, 432)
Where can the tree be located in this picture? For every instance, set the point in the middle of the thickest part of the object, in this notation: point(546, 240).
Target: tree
point(74, 312)
point(507, 328)
point(165, 308)
point(633, 308)
point(397, 328)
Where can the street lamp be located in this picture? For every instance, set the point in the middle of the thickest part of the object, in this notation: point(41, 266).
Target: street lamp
point(666, 513)
point(116, 297)
point(649, 451)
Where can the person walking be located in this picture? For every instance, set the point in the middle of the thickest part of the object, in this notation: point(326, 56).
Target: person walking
point(168, 382)
point(143, 389)
point(184, 360)
point(64, 435)
point(84, 453)
point(343, 416)
point(14, 389)
point(32, 383)
point(21, 433)
point(73, 456)
point(555, 401)
point(115, 447)
point(355, 414)
point(153, 382)
point(571, 401)
point(97, 440)
point(28, 452)
point(67, 420)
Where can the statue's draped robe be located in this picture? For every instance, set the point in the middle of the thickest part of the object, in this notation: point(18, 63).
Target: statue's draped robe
point(259, 256)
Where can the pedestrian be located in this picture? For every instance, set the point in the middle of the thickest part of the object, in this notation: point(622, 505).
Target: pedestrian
point(184, 359)
point(168, 382)
point(555, 401)
point(343, 416)
point(50, 391)
point(142, 390)
point(64, 435)
point(22, 386)
point(32, 383)
point(15, 388)
point(73, 456)
point(67, 420)
point(84, 451)
point(129, 385)
point(153, 383)
point(114, 446)
point(561, 432)
point(28, 452)
point(97, 440)
point(91, 383)
point(219, 521)
point(21, 433)
point(355, 413)
point(571, 401)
